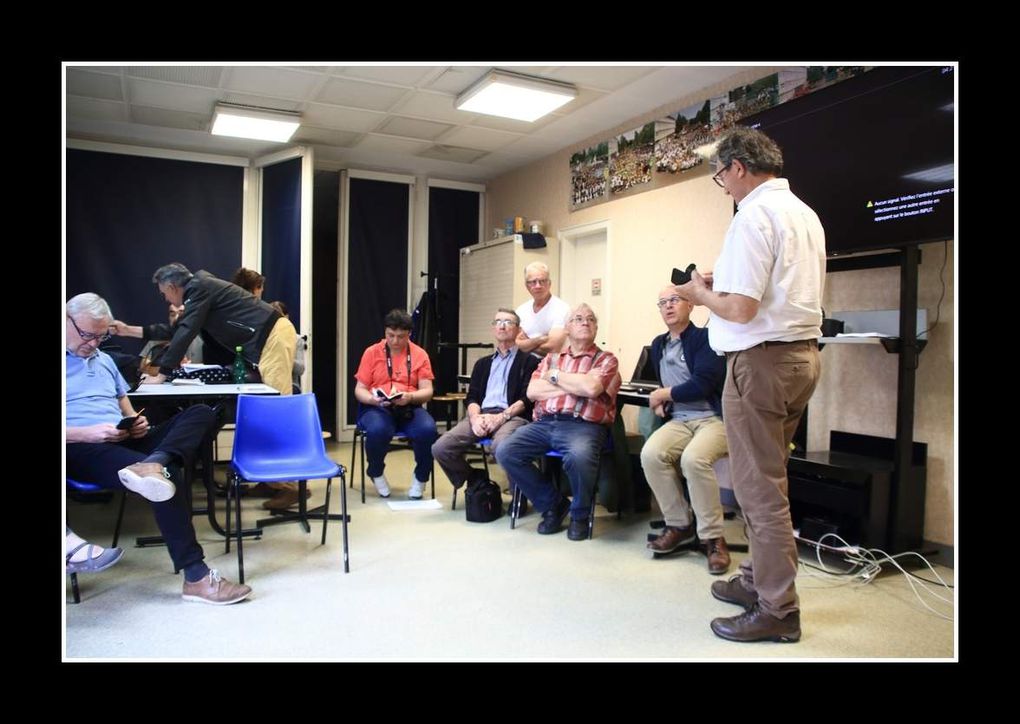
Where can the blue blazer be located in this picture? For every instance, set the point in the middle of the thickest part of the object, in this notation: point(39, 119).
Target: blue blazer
point(708, 370)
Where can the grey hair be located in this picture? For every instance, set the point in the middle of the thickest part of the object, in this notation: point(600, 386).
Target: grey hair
point(537, 266)
point(517, 319)
point(175, 273)
point(581, 306)
point(89, 305)
point(752, 148)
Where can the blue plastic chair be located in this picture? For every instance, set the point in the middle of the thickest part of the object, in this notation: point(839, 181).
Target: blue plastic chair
point(607, 447)
point(400, 441)
point(89, 488)
point(279, 439)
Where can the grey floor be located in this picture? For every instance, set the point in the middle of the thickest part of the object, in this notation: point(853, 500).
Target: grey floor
point(429, 586)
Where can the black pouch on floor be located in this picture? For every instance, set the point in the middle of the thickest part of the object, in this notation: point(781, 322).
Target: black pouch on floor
point(483, 502)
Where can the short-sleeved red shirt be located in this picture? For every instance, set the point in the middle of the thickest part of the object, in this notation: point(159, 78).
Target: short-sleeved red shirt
point(372, 372)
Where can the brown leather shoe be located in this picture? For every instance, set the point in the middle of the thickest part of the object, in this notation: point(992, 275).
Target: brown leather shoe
point(284, 499)
point(672, 538)
point(718, 556)
point(215, 590)
point(756, 625)
point(733, 591)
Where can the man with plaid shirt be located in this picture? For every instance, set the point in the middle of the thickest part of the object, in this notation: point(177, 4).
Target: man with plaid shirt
point(575, 403)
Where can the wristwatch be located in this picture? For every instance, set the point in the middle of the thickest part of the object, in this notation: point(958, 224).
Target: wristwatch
point(506, 416)
point(554, 377)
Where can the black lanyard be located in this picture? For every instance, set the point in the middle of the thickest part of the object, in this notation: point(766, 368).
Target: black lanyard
point(389, 364)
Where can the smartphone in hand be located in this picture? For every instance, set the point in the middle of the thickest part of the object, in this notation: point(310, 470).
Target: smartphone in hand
point(126, 423)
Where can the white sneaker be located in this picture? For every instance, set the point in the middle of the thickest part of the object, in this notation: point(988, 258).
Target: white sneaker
point(150, 480)
point(381, 486)
point(417, 489)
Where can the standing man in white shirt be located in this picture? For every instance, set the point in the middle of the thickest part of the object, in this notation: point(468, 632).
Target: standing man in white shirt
point(544, 318)
point(765, 295)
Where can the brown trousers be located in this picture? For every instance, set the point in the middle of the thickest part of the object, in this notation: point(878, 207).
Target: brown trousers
point(767, 390)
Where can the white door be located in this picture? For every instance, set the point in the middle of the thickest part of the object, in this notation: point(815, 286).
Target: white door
point(583, 275)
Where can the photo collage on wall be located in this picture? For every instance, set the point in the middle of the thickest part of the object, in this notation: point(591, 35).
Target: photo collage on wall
point(669, 146)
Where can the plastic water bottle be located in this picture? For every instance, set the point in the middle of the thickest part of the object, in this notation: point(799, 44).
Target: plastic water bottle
point(240, 371)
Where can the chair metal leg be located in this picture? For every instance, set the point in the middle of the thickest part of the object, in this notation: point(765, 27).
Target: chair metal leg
point(354, 449)
point(594, 492)
point(454, 506)
point(240, 530)
point(515, 507)
point(362, 468)
point(229, 497)
point(325, 509)
point(120, 518)
point(345, 518)
point(74, 587)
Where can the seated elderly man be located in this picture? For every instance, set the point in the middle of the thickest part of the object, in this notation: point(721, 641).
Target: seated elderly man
point(575, 403)
point(394, 383)
point(497, 401)
point(147, 460)
point(690, 398)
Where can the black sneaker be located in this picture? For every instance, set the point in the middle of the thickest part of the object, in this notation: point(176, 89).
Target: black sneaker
point(578, 529)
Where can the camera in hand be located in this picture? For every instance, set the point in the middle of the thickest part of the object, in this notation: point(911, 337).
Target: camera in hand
point(682, 277)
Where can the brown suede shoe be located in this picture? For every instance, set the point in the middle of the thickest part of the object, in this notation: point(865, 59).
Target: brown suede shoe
point(718, 556)
point(215, 590)
point(756, 625)
point(672, 538)
point(733, 591)
point(284, 499)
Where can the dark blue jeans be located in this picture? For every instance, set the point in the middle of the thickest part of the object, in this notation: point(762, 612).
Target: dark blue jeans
point(579, 441)
point(379, 426)
point(180, 437)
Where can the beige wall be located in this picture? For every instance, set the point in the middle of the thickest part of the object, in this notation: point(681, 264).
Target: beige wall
point(682, 220)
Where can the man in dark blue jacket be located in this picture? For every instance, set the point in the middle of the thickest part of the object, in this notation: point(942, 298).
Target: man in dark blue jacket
point(692, 377)
point(497, 401)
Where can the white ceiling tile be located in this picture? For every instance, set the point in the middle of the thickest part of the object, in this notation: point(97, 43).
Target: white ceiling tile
point(607, 78)
point(482, 138)
point(207, 75)
point(347, 119)
point(272, 81)
point(398, 74)
point(389, 144)
point(114, 69)
point(435, 106)
point(89, 109)
point(168, 95)
point(453, 153)
point(357, 94)
point(458, 79)
point(244, 99)
point(94, 85)
point(399, 126)
point(324, 136)
point(149, 116)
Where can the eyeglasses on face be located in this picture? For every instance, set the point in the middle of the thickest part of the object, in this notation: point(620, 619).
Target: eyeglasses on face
point(89, 336)
point(536, 282)
point(578, 319)
point(668, 301)
point(503, 323)
point(717, 177)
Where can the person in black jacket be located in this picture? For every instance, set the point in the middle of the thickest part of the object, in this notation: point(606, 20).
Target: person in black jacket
point(692, 377)
point(226, 313)
point(497, 401)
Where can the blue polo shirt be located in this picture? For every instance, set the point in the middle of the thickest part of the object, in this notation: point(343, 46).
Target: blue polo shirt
point(499, 376)
point(94, 388)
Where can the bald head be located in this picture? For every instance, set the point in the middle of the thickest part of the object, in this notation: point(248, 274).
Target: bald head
point(675, 311)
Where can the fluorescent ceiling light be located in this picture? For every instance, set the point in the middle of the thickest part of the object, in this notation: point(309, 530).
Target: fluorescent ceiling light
point(258, 123)
point(512, 95)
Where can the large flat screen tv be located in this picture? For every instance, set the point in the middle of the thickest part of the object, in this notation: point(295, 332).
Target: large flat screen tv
point(873, 156)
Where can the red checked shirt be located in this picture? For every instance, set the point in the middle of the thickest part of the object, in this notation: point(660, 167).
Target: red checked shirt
point(601, 409)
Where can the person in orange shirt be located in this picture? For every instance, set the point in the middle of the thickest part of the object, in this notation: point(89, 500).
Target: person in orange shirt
point(394, 381)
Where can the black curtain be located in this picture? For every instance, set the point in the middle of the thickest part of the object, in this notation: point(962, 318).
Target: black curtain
point(129, 215)
point(325, 249)
point(281, 236)
point(377, 267)
point(453, 224)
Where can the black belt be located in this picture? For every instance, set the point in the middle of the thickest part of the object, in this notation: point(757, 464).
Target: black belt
point(770, 343)
point(566, 417)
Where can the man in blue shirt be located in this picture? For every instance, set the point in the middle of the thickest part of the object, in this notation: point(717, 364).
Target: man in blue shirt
point(147, 460)
point(690, 399)
point(497, 402)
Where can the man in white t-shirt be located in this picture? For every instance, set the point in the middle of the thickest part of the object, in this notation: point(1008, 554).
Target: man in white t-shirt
point(544, 318)
point(765, 295)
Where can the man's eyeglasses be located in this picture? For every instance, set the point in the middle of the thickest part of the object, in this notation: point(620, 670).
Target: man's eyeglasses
point(577, 319)
point(502, 323)
point(89, 336)
point(662, 303)
point(536, 282)
point(718, 175)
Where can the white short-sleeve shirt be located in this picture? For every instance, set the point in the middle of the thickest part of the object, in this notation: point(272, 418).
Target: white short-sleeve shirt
point(774, 252)
point(553, 314)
